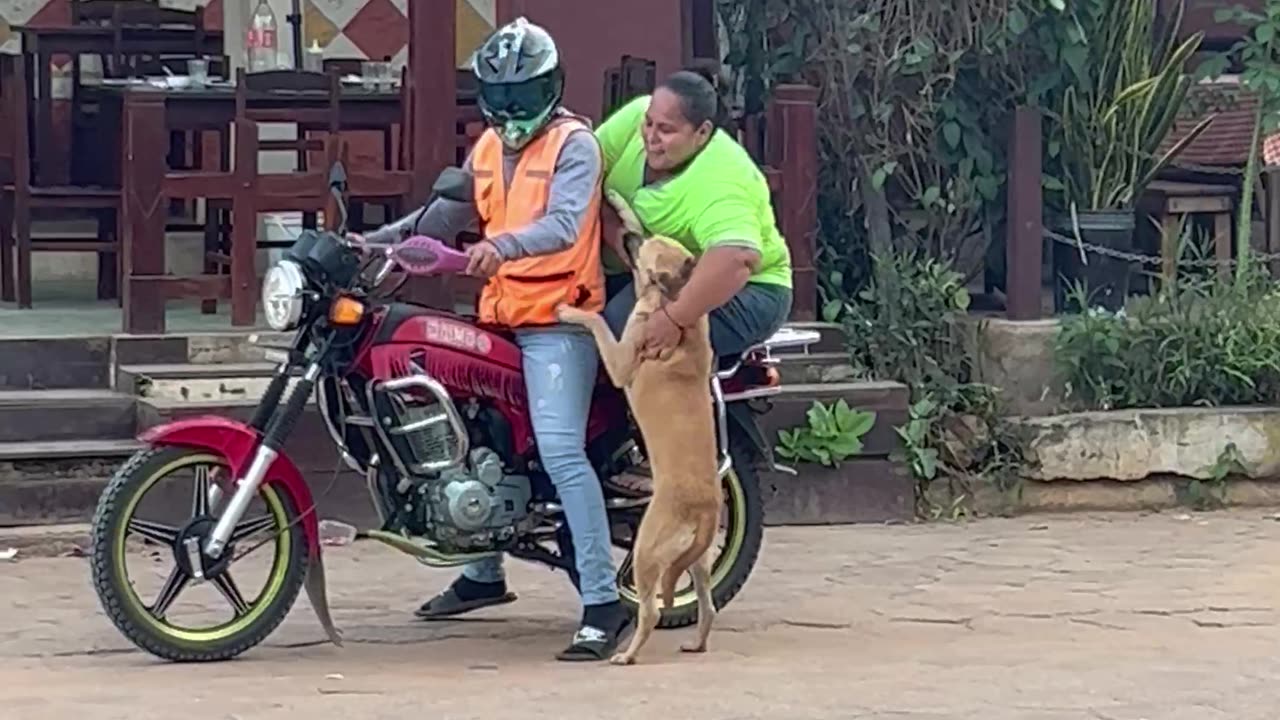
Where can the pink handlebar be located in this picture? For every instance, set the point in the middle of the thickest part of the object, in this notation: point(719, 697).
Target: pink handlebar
point(422, 255)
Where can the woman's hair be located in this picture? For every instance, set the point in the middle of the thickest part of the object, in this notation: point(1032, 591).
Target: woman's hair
point(699, 101)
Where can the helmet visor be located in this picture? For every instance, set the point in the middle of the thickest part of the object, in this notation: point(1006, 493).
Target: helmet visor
point(526, 100)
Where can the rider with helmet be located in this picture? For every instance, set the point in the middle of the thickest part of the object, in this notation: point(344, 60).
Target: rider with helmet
point(537, 198)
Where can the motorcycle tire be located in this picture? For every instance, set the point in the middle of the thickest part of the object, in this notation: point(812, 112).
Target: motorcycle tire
point(111, 527)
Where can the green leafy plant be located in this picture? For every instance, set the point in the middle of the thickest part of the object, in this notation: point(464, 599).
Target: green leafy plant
point(1201, 341)
point(1129, 87)
point(922, 459)
point(834, 434)
point(909, 325)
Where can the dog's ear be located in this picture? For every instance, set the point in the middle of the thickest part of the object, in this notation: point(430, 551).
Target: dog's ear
point(629, 237)
point(672, 283)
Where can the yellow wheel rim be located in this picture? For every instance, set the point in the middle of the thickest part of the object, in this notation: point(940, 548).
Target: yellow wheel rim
point(737, 503)
point(275, 581)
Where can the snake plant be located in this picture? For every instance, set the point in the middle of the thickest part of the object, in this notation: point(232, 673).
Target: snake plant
point(1132, 81)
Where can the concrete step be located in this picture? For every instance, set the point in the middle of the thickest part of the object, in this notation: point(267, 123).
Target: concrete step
point(67, 450)
point(54, 415)
point(818, 367)
point(196, 382)
point(52, 489)
point(889, 400)
point(54, 363)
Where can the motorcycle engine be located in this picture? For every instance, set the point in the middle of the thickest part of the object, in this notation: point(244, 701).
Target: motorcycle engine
point(473, 509)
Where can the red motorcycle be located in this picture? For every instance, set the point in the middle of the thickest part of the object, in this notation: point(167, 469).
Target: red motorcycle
point(430, 409)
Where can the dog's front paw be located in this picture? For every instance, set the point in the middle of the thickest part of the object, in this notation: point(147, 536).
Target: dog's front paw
point(570, 314)
point(622, 659)
point(693, 647)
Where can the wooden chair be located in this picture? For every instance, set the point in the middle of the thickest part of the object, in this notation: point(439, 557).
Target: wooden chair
point(306, 191)
point(20, 198)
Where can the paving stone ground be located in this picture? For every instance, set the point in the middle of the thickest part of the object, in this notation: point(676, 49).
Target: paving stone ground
point(1105, 617)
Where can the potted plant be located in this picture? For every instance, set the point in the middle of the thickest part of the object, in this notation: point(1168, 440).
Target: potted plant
point(1131, 81)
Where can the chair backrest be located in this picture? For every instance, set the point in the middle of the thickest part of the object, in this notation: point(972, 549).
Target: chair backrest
point(133, 12)
point(632, 78)
point(254, 91)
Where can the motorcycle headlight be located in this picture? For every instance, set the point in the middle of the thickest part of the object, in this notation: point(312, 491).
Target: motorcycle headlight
point(282, 290)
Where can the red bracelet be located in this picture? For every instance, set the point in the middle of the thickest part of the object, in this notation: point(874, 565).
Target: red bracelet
point(667, 312)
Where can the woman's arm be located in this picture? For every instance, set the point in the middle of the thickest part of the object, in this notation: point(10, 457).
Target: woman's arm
point(720, 274)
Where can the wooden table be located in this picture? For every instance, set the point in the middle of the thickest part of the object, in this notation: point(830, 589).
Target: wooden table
point(41, 44)
point(145, 116)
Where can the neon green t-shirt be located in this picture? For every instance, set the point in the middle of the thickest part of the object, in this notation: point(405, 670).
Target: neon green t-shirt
point(720, 199)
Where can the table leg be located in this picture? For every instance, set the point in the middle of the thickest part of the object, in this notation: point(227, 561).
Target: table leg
point(143, 212)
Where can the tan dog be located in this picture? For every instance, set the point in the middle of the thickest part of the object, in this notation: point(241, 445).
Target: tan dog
point(679, 527)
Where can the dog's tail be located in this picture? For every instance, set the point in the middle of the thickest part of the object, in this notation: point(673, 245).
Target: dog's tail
point(703, 536)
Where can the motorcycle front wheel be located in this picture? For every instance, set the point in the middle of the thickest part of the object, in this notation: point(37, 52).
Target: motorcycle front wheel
point(742, 533)
point(225, 621)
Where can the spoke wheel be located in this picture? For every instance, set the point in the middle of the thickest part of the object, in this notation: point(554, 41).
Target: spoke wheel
point(741, 534)
point(233, 617)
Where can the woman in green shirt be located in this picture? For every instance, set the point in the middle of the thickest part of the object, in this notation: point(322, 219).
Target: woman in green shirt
point(689, 181)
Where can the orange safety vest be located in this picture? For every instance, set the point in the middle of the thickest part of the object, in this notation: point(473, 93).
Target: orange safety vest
point(527, 291)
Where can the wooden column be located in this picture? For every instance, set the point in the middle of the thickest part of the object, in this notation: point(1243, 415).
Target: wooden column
point(433, 111)
point(143, 211)
point(793, 150)
point(433, 29)
point(1025, 224)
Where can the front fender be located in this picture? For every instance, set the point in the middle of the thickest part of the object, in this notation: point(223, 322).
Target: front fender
point(236, 442)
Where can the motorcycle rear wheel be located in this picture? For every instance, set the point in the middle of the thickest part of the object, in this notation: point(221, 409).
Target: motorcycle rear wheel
point(733, 566)
point(146, 626)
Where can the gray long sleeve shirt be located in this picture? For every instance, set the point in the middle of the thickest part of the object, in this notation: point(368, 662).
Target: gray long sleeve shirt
point(576, 175)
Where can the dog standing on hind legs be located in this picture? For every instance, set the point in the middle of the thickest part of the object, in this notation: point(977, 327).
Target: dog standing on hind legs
point(679, 526)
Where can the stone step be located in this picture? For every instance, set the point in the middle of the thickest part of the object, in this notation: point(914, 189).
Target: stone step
point(54, 415)
point(196, 382)
point(67, 450)
point(818, 367)
point(53, 489)
point(889, 400)
point(55, 363)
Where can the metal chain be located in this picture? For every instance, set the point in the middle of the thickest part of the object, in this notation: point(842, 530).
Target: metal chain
point(1142, 259)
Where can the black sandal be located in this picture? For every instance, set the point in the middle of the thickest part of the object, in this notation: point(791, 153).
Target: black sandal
point(450, 604)
point(593, 643)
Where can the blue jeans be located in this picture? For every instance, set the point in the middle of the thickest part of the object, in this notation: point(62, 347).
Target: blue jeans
point(749, 318)
point(560, 367)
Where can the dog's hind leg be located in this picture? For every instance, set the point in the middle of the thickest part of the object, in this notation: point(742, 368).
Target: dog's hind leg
point(647, 574)
point(701, 572)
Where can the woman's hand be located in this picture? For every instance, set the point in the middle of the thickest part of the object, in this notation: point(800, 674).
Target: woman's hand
point(483, 260)
point(661, 336)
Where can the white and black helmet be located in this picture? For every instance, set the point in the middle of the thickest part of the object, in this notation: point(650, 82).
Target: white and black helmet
point(521, 82)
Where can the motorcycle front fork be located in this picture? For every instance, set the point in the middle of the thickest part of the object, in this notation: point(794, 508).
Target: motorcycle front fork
point(277, 431)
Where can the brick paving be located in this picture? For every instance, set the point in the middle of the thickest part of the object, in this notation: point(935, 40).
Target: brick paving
point(1107, 617)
